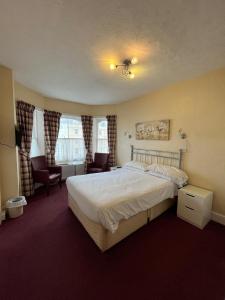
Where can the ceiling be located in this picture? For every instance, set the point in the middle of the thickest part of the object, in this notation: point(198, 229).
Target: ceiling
point(63, 48)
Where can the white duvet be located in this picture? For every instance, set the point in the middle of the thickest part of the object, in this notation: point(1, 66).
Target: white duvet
point(109, 197)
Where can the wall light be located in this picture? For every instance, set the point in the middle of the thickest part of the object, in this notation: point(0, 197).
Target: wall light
point(182, 134)
point(128, 134)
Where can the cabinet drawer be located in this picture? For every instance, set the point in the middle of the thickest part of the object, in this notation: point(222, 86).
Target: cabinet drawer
point(190, 214)
point(190, 200)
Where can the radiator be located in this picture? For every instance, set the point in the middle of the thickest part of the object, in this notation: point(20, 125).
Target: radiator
point(72, 170)
point(67, 171)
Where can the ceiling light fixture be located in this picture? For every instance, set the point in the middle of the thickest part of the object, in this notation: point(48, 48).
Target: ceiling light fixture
point(125, 67)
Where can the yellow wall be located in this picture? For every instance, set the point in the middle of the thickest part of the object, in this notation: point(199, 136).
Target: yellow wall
point(103, 110)
point(65, 107)
point(8, 154)
point(197, 106)
point(28, 95)
point(73, 108)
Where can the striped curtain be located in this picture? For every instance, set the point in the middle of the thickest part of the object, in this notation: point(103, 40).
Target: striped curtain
point(51, 125)
point(24, 114)
point(112, 136)
point(87, 123)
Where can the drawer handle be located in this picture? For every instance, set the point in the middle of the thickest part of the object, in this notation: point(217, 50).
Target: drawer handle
point(190, 195)
point(189, 207)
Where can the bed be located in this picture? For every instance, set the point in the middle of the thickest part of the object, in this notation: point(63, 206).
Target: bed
point(112, 205)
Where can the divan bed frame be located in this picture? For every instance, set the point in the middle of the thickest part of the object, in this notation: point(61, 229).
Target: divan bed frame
point(103, 238)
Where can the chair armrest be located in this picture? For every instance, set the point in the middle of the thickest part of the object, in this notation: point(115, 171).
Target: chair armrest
point(91, 165)
point(55, 169)
point(106, 167)
point(41, 176)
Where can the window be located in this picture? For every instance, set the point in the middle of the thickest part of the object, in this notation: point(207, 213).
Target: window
point(70, 144)
point(100, 135)
point(37, 142)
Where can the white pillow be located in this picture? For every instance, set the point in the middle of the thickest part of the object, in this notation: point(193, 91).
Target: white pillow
point(173, 174)
point(137, 165)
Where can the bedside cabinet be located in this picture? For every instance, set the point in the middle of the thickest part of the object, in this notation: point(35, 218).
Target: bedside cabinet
point(194, 205)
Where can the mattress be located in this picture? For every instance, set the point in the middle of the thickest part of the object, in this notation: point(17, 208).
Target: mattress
point(107, 198)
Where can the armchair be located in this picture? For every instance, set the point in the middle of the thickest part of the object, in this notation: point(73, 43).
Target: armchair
point(44, 174)
point(100, 163)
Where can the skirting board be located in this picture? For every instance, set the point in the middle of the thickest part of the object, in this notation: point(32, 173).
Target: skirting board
point(216, 217)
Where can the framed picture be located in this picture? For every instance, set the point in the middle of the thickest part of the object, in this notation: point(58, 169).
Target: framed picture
point(153, 130)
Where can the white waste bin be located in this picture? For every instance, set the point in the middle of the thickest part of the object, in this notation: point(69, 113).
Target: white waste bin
point(15, 206)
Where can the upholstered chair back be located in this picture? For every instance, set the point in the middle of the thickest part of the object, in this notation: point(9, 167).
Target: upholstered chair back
point(39, 163)
point(101, 159)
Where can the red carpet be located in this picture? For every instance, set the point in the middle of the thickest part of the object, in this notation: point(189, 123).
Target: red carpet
point(46, 254)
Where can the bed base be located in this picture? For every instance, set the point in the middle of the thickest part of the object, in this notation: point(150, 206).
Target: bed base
point(103, 238)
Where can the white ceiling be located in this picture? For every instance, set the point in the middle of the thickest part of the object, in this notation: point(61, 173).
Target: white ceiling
point(63, 48)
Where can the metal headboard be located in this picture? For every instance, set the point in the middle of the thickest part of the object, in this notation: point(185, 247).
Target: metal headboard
point(169, 158)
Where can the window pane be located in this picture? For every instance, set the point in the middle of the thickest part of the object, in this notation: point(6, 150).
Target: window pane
point(70, 144)
point(102, 136)
point(102, 130)
point(63, 129)
point(102, 146)
point(37, 142)
point(75, 129)
point(69, 150)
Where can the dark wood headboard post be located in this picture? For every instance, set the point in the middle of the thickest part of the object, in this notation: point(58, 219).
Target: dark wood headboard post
point(132, 152)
